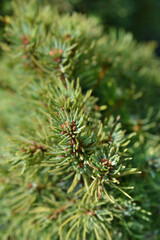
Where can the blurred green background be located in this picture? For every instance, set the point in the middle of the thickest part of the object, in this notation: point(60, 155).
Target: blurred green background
point(141, 17)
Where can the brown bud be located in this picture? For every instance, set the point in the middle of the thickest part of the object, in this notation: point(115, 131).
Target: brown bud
point(96, 107)
point(25, 39)
point(136, 128)
point(30, 185)
point(93, 213)
point(81, 164)
point(72, 141)
point(73, 128)
point(60, 51)
point(32, 147)
point(68, 37)
point(64, 125)
point(53, 52)
point(58, 60)
point(103, 160)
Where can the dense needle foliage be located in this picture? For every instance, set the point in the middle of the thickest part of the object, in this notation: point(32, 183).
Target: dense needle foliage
point(79, 131)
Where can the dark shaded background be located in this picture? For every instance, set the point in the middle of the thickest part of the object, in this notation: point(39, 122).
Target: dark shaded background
point(141, 17)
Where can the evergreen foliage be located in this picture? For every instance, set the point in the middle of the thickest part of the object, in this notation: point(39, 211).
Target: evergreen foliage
point(79, 130)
